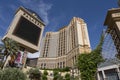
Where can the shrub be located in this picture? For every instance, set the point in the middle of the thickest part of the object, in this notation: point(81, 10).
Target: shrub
point(34, 74)
point(66, 69)
point(44, 77)
point(55, 73)
point(12, 74)
point(45, 72)
point(56, 76)
point(67, 76)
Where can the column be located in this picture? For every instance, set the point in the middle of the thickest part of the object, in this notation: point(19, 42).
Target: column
point(98, 76)
point(24, 59)
point(104, 77)
point(118, 72)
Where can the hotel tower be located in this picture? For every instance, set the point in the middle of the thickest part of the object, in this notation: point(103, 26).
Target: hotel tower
point(60, 49)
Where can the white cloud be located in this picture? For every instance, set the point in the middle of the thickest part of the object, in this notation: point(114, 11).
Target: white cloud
point(40, 7)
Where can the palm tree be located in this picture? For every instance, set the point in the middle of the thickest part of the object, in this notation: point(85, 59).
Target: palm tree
point(10, 50)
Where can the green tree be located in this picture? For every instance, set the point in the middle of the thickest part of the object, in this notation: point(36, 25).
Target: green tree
point(55, 72)
point(60, 78)
point(45, 72)
point(44, 77)
point(56, 76)
point(11, 48)
point(87, 63)
point(12, 74)
point(67, 76)
point(1, 47)
point(34, 74)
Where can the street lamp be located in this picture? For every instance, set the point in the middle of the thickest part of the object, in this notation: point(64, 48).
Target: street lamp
point(72, 73)
point(75, 73)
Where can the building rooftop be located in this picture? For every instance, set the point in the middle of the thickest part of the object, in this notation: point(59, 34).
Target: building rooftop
point(33, 12)
point(109, 62)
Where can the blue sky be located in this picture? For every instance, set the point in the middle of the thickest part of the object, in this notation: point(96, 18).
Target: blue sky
point(58, 13)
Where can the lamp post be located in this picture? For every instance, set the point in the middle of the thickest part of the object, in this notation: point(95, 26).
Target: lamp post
point(75, 73)
point(72, 73)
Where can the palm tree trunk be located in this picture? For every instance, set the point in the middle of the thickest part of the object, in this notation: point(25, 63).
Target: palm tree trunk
point(24, 59)
point(6, 61)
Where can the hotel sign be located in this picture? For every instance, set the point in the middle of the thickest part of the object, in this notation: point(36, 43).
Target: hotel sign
point(116, 15)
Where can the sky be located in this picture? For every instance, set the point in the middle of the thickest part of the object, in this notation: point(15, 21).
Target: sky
point(58, 13)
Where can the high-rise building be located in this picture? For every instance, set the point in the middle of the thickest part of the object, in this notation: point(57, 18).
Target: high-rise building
point(26, 29)
point(60, 49)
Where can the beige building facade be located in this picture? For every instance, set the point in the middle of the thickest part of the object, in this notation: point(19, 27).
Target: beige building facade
point(60, 49)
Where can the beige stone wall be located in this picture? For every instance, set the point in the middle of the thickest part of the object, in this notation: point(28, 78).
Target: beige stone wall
point(49, 63)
